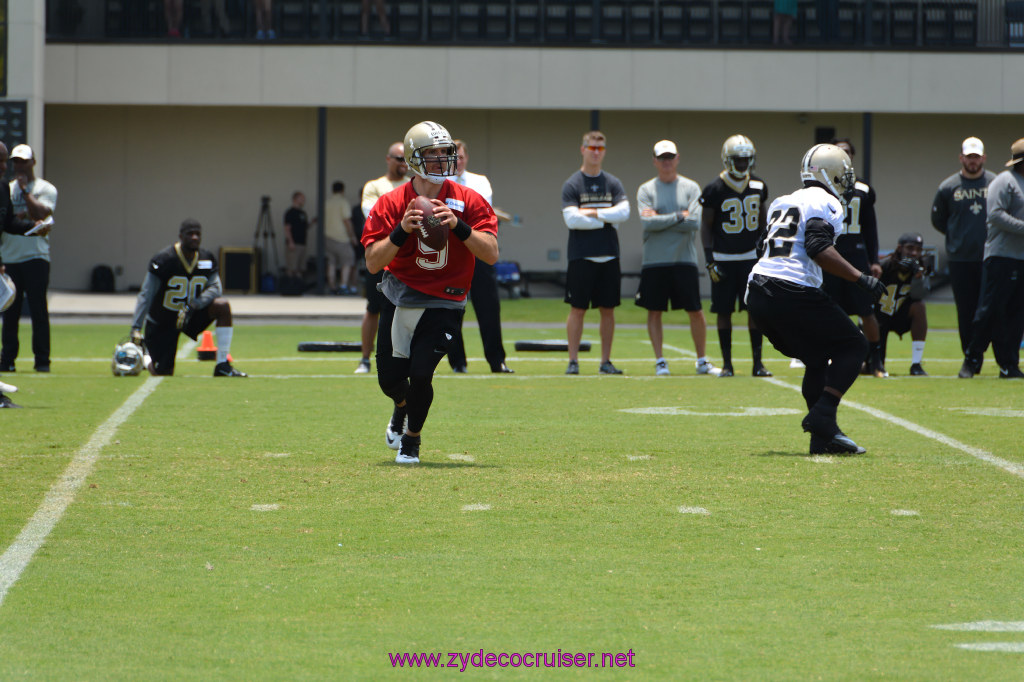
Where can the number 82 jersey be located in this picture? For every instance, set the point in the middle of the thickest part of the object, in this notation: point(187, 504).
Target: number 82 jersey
point(785, 255)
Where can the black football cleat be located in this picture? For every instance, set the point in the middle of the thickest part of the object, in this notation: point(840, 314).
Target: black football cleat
point(966, 370)
point(839, 444)
point(916, 370)
point(820, 425)
point(502, 369)
point(761, 371)
point(726, 372)
point(461, 369)
point(1010, 373)
point(224, 369)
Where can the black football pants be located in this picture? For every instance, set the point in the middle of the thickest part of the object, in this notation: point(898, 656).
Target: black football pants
point(483, 294)
point(1000, 315)
point(31, 279)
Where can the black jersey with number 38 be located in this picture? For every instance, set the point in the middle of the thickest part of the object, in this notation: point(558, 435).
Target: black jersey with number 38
point(736, 208)
point(181, 281)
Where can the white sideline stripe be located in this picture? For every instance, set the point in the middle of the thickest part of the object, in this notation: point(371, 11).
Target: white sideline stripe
point(16, 558)
point(637, 458)
point(265, 507)
point(62, 493)
point(476, 507)
point(984, 626)
point(977, 453)
point(694, 510)
point(904, 512)
point(462, 458)
point(1012, 647)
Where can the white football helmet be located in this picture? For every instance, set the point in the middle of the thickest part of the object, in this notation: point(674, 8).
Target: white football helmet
point(830, 166)
point(425, 136)
point(128, 359)
point(7, 292)
point(738, 147)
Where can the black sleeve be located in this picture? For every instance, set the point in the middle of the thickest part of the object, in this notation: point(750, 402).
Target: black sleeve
point(818, 236)
point(11, 223)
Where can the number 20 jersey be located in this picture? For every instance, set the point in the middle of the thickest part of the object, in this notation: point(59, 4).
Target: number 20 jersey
point(785, 256)
point(181, 281)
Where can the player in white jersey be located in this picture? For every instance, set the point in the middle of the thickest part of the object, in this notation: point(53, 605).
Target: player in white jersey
point(785, 299)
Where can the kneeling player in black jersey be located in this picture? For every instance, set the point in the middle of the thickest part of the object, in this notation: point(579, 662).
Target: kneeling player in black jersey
point(182, 294)
point(784, 295)
point(902, 309)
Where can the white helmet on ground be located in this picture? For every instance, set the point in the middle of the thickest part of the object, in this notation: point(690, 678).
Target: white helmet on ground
point(7, 292)
point(830, 166)
point(128, 359)
point(426, 136)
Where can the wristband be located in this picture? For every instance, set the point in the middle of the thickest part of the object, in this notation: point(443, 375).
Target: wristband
point(462, 230)
point(398, 236)
point(709, 255)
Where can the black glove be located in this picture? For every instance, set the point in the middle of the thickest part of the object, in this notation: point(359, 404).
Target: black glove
point(909, 265)
point(714, 272)
point(184, 316)
point(872, 285)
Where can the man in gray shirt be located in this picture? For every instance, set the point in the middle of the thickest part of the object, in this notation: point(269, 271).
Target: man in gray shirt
point(958, 212)
point(670, 213)
point(1001, 306)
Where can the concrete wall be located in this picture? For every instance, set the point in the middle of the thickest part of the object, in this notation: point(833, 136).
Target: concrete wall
point(128, 175)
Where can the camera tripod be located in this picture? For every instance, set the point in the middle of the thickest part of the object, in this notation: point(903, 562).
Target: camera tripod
point(264, 239)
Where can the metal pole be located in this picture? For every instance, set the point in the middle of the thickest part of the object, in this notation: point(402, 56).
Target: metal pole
point(321, 183)
point(866, 173)
point(595, 119)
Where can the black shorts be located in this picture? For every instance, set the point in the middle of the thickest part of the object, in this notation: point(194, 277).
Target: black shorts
point(162, 340)
point(850, 297)
point(801, 322)
point(374, 299)
point(589, 284)
point(661, 284)
point(725, 295)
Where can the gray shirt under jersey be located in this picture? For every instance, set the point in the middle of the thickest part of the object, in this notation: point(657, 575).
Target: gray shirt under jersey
point(1006, 216)
point(667, 239)
point(958, 212)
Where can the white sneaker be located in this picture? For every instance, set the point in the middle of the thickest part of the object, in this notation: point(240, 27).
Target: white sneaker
point(364, 367)
point(661, 368)
point(393, 439)
point(796, 364)
point(7, 388)
point(409, 452)
point(704, 367)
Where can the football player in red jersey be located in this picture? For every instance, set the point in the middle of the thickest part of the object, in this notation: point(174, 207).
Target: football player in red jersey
point(425, 288)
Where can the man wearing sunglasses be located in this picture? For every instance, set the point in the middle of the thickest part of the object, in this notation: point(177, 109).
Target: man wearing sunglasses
point(593, 205)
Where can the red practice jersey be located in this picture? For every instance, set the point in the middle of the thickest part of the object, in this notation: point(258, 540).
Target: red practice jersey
point(436, 273)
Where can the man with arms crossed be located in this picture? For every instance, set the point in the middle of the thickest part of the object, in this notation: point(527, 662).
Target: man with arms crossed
point(593, 205)
point(670, 214)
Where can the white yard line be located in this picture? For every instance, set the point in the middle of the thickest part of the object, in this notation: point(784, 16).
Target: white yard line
point(977, 453)
point(16, 558)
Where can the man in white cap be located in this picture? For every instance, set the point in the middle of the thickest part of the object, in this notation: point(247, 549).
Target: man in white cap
point(27, 257)
point(958, 212)
point(670, 214)
point(1000, 314)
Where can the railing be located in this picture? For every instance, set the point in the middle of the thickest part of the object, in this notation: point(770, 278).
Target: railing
point(900, 24)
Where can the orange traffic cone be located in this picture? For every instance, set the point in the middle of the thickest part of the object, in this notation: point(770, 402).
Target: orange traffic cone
point(207, 349)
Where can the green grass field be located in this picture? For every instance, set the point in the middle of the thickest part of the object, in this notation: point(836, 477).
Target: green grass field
point(259, 529)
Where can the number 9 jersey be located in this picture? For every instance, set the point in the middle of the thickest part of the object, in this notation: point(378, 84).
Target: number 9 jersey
point(785, 255)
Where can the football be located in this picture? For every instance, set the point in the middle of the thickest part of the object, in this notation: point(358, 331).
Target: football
point(432, 231)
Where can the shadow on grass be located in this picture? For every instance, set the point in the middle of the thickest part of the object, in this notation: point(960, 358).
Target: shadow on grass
point(438, 465)
point(779, 453)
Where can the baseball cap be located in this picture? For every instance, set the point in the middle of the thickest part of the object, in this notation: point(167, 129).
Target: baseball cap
point(1016, 153)
point(665, 147)
point(972, 145)
point(22, 151)
point(910, 238)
